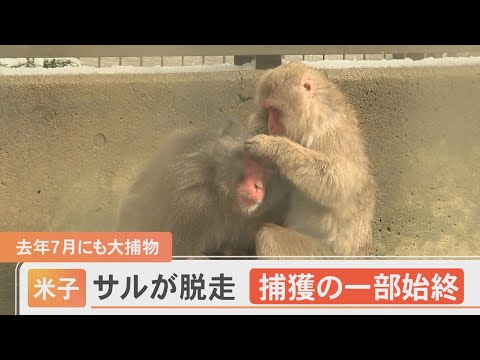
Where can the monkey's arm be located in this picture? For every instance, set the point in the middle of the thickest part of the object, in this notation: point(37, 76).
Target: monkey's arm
point(314, 173)
point(277, 241)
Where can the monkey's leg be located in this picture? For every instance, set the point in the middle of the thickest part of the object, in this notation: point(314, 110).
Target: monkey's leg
point(277, 241)
point(310, 171)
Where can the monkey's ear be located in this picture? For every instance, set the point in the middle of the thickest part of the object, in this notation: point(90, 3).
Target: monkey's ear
point(308, 85)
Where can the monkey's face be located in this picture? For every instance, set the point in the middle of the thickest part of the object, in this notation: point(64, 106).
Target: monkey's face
point(251, 185)
point(239, 179)
point(286, 97)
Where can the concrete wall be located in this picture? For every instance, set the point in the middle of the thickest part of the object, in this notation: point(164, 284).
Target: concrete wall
point(71, 145)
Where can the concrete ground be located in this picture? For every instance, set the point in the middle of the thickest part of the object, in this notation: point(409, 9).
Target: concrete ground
point(71, 145)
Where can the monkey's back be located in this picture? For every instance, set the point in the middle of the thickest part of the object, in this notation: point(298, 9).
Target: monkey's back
point(148, 200)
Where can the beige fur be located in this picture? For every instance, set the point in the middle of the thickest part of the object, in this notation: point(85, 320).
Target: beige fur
point(322, 154)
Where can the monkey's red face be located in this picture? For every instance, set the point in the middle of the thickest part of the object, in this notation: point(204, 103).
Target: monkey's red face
point(250, 190)
point(274, 122)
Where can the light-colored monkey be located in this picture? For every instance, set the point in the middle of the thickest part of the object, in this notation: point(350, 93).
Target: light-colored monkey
point(310, 131)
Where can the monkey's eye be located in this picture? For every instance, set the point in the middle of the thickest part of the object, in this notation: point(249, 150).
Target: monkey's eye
point(275, 113)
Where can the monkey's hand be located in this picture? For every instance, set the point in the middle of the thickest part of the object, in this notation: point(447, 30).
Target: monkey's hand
point(312, 172)
point(263, 146)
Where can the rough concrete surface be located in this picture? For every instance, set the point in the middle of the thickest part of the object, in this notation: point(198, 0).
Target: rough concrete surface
point(70, 145)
